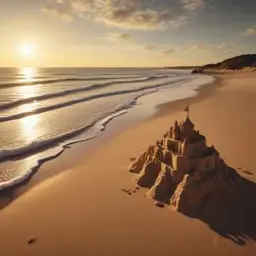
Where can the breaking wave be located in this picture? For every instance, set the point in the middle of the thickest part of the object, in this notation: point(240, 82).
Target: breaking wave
point(15, 103)
point(72, 79)
point(58, 144)
point(100, 122)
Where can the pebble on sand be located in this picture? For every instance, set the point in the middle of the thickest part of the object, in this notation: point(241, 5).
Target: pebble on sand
point(159, 204)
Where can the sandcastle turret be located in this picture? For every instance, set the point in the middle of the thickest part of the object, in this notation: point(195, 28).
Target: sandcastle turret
point(171, 132)
point(187, 126)
point(159, 154)
point(185, 146)
point(214, 149)
point(176, 131)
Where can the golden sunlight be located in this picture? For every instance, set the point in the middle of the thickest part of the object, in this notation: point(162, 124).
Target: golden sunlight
point(29, 123)
point(27, 50)
point(28, 74)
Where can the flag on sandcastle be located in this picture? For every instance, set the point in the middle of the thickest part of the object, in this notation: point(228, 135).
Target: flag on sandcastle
point(187, 109)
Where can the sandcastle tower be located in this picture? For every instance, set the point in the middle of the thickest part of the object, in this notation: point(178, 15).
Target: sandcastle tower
point(187, 128)
point(185, 147)
point(176, 131)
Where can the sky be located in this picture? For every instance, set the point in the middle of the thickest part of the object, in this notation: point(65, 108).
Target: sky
point(124, 33)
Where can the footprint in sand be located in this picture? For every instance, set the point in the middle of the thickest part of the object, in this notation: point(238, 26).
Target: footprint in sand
point(130, 191)
point(32, 240)
point(247, 172)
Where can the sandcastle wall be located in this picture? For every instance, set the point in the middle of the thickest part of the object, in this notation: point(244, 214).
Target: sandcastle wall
point(204, 164)
point(196, 149)
point(181, 163)
point(172, 145)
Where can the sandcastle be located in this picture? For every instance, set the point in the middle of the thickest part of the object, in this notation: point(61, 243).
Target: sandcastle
point(181, 171)
point(180, 155)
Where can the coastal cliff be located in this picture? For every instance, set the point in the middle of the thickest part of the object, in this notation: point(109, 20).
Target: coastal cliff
point(246, 62)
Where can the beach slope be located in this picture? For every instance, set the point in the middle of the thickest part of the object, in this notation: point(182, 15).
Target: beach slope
point(87, 210)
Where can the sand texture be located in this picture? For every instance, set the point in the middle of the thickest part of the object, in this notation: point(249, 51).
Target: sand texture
point(96, 209)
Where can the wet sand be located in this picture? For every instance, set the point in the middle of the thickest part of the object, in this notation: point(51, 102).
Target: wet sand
point(84, 210)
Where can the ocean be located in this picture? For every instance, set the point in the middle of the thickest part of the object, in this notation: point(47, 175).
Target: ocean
point(44, 110)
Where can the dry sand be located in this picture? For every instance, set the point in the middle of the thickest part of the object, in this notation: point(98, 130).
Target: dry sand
point(84, 211)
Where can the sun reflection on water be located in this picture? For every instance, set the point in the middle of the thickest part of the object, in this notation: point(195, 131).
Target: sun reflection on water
point(28, 74)
point(29, 124)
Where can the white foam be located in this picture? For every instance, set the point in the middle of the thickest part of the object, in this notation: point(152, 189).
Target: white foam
point(21, 178)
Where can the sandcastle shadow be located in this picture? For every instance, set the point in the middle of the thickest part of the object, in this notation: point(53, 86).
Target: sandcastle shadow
point(182, 171)
point(232, 218)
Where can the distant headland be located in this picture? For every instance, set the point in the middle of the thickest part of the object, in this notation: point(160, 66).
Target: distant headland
point(245, 62)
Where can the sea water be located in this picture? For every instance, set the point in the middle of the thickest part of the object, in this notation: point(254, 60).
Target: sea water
point(44, 110)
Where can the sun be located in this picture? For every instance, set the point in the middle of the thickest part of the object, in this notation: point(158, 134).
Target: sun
point(27, 50)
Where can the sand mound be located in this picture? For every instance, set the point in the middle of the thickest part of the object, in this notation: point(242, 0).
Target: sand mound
point(163, 187)
point(138, 164)
point(149, 172)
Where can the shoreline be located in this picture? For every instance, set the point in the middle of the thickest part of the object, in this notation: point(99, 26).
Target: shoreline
point(204, 92)
point(44, 169)
point(83, 211)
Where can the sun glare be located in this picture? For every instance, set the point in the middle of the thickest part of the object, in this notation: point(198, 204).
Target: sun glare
point(29, 123)
point(28, 74)
point(27, 50)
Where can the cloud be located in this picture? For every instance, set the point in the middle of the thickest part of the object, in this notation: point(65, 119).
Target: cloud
point(163, 49)
point(207, 47)
point(250, 31)
point(179, 21)
point(168, 51)
point(130, 17)
point(58, 12)
point(125, 37)
point(82, 5)
point(131, 14)
point(116, 37)
point(192, 5)
point(150, 47)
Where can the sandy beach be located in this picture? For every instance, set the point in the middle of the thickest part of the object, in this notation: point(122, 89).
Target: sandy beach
point(83, 210)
